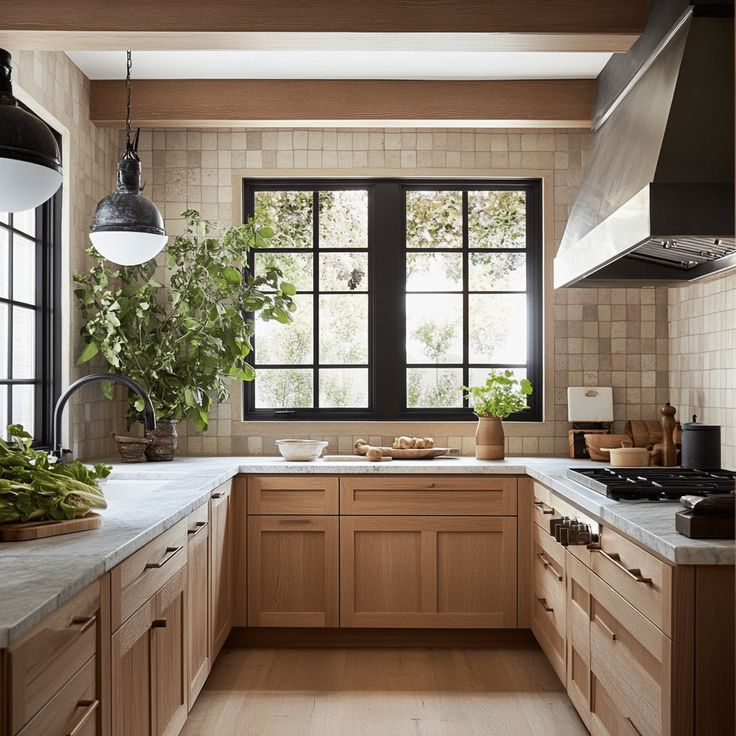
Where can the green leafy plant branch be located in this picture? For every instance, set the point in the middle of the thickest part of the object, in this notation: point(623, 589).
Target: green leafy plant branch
point(500, 396)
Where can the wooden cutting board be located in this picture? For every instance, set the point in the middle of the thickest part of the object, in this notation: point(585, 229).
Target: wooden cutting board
point(426, 454)
point(39, 529)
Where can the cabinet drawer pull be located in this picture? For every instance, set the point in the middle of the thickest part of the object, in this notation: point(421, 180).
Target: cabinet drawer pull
point(633, 727)
point(218, 494)
point(541, 506)
point(295, 521)
point(90, 707)
point(634, 572)
point(548, 565)
point(159, 623)
point(609, 632)
point(198, 528)
point(543, 602)
point(81, 624)
point(170, 552)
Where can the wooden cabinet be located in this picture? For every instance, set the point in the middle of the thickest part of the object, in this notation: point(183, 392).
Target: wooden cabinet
point(415, 571)
point(221, 564)
point(293, 571)
point(149, 687)
point(198, 595)
point(578, 636)
point(293, 494)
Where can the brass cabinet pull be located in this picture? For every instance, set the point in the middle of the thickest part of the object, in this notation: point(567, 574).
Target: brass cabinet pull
point(81, 624)
point(548, 565)
point(198, 528)
point(170, 552)
point(90, 707)
point(543, 507)
point(607, 629)
point(634, 572)
point(159, 623)
point(545, 605)
point(634, 728)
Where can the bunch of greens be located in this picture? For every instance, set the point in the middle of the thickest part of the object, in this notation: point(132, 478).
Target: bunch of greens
point(33, 487)
point(500, 396)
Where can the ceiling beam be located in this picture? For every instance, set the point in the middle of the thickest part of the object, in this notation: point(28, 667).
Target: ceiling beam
point(553, 25)
point(235, 102)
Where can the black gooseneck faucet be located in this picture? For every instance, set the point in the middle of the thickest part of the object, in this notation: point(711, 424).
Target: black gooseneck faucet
point(149, 417)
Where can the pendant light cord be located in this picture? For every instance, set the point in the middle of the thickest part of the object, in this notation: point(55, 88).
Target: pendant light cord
point(131, 147)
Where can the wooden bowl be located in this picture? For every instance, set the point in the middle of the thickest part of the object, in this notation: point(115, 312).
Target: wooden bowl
point(594, 443)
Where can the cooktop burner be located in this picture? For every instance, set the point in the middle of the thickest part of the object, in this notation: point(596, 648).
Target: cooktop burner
point(654, 484)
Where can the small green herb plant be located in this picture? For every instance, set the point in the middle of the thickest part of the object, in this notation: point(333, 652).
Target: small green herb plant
point(34, 487)
point(500, 396)
point(183, 343)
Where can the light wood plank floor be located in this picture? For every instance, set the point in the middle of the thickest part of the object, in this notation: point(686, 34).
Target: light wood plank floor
point(383, 692)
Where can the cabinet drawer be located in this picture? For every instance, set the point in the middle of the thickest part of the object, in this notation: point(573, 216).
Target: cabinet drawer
point(630, 663)
point(430, 495)
point(642, 579)
point(136, 579)
point(51, 654)
point(73, 710)
point(549, 580)
point(281, 495)
point(578, 636)
point(547, 635)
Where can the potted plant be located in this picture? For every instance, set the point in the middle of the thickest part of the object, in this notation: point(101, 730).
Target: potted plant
point(183, 342)
point(500, 396)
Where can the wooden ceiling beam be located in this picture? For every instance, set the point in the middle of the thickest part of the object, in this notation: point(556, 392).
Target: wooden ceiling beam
point(572, 25)
point(236, 102)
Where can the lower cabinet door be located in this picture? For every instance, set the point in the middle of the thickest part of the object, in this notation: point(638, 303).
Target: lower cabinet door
point(169, 652)
point(630, 668)
point(424, 572)
point(198, 586)
point(578, 636)
point(293, 571)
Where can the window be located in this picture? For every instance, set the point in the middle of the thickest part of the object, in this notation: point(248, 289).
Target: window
point(29, 330)
point(406, 291)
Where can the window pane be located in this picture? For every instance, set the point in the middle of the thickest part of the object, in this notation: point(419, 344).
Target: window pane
point(296, 267)
point(497, 219)
point(23, 407)
point(497, 272)
point(478, 375)
point(434, 272)
point(343, 388)
point(291, 214)
point(24, 339)
point(4, 412)
point(289, 344)
point(25, 222)
point(290, 388)
point(4, 262)
point(4, 216)
point(24, 270)
point(434, 388)
point(343, 272)
point(434, 219)
point(497, 328)
point(343, 328)
point(4, 342)
point(434, 328)
point(343, 219)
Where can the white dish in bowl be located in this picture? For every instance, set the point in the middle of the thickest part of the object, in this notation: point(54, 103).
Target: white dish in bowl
point(301, 450)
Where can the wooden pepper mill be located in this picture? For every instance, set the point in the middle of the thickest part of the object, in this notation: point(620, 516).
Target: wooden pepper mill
point(669, 450)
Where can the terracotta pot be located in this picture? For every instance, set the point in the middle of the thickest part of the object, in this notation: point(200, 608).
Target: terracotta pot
point(163, 445)
point(489, 439)
point(131, 449)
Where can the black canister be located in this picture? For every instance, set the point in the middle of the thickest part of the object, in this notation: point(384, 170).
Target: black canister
point(701, 446)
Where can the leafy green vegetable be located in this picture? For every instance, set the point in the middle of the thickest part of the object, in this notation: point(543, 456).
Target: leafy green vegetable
point(501, 395)
point(34, 487)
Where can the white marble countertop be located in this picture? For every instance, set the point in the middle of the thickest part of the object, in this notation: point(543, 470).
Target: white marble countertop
point(38, 576)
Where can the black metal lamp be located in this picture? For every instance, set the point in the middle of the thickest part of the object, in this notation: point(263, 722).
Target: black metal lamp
point(30, 163)
point(128, 228)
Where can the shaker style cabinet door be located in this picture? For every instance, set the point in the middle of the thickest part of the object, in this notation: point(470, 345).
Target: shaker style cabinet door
point(198, 593)
point(221, 564)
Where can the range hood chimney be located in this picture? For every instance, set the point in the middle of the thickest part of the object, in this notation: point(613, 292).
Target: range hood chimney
point(656, 203)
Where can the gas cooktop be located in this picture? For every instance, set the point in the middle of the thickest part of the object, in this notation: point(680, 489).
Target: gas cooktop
point(654, 484)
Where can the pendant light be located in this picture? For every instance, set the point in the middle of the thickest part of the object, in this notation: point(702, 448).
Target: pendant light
point(30, 164)
point(128, 228)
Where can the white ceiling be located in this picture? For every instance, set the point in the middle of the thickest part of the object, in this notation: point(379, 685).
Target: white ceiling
point(329, 64)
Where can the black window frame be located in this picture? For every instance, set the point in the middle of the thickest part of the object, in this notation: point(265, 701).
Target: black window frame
point(387, 290)
point(47, 347)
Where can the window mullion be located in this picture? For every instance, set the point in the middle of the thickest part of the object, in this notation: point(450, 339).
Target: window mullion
point(466, 298)
point(315, 299)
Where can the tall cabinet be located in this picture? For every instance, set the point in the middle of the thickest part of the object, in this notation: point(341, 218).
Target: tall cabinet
point(221, 568)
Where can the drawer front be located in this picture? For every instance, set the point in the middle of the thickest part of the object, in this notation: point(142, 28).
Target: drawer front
point(73, 710)
point(51, 654)
point(428, 496)
point(630, 662)
point(578, 636)
point(642, 579)
point(282, 495)
point(549, 580)
point(136, 579)
point(547, 634)
point(197, 519)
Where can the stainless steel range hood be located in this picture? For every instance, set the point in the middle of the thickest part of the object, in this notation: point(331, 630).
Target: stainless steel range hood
point(656, 204)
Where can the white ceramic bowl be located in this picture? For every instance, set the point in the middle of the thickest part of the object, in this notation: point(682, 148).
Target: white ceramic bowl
point(301, 450)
